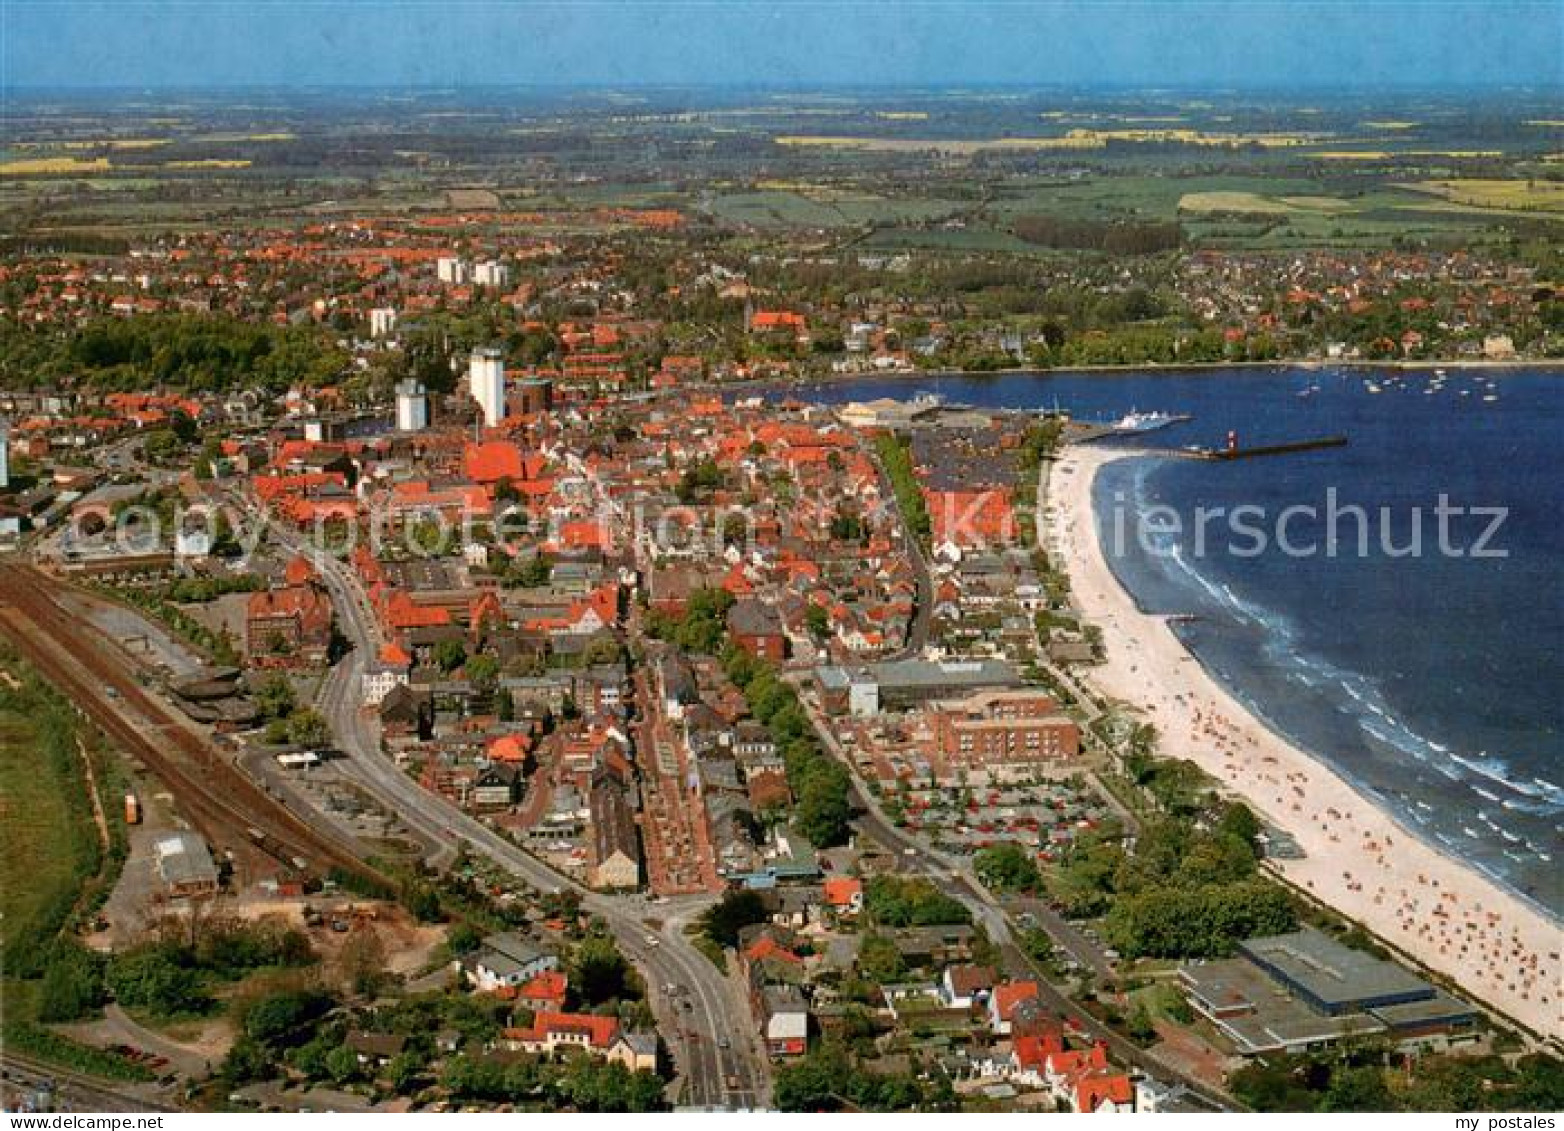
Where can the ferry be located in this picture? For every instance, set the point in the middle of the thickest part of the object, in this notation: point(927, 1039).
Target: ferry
point(1136, 422)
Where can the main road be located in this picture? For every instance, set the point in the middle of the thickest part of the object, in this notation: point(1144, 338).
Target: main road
point(704, 1020)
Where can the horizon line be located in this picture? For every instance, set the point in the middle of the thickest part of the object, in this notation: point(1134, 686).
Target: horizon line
point(937, 86)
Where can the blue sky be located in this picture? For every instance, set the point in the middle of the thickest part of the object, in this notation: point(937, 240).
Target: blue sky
point(1254, 44)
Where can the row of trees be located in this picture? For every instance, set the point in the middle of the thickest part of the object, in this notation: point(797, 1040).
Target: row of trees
point(896, 458)
point(579, 1083)
point(1117, 237)
point(1007, 867)
point(1199, 922)
point(1357, 1078)
point(821, 788)
point(81, 870)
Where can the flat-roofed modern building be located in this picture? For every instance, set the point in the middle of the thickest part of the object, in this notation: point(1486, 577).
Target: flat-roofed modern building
point(1331, 977)
point(899, 684)
point(1304, 990)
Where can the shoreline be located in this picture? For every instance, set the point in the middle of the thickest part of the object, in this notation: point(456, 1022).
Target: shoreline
point(1143, 369)
point(1446, 914)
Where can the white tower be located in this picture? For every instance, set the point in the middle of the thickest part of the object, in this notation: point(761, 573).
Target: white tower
point(382, 321)
point(486, 382)
point(5, 453)
point(491, 273)
point(451, 269)
point(412, 406)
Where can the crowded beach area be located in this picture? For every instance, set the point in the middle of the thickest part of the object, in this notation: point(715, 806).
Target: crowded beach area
point(1355, 857)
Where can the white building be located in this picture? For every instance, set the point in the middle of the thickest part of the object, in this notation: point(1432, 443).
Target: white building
point(491, 273)
point(486, 383)
point(192, 542)
point(412, 406)
point(451, 269)
point(863, 697)
point(505, 961)
point(382, 322)
point(5, 453)
point(390, 670)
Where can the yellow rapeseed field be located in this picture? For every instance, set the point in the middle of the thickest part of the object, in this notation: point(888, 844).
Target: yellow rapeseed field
point(48, 166)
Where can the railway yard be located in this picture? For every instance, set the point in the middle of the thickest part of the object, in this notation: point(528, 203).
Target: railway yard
point(241, 821)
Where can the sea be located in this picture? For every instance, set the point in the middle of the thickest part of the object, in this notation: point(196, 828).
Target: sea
point(1425, 666)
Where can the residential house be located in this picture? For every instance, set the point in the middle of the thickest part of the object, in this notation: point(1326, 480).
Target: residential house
point(843, 895)
point(505, 961)
point(964, 986)
point(1002, 1003)
point(785, 1020)
point(544, 993)
point(391, 668)
point(757, 628)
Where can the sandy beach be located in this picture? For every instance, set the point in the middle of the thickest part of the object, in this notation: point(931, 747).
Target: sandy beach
point(1452, 918)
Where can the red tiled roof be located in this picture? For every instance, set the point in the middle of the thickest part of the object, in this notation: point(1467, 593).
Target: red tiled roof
point(306, 603)
point(547, 987)
point(394, 655)
point(767, 947)
point(776, 320)
point(492, 461)
point(840, 891)
point(299, 571)
point(402, 612)
point(601, 1031)
point(1033, 1051)
point(1008, 995)
point(509, 748)
point(1092, 1092)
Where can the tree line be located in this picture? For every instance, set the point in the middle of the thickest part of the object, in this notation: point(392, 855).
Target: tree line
point(1117, 237)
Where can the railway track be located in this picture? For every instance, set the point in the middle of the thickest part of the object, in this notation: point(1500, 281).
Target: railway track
point(229, 809)
point(85, 1092)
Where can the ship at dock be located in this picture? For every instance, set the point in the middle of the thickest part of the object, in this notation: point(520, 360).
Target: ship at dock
point(1134, 423)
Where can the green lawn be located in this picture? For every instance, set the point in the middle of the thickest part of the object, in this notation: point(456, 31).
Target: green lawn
point(47, 837)
point(51, 857)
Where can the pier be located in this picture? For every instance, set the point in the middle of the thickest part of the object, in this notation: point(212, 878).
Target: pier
point(1232, 451)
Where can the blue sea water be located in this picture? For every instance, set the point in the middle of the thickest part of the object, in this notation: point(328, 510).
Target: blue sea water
point(1434, 682)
